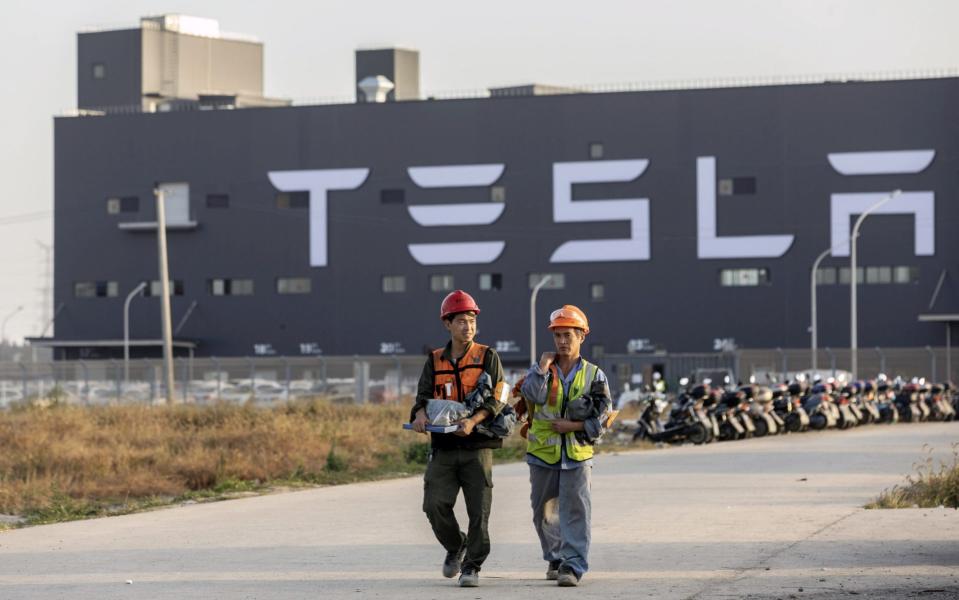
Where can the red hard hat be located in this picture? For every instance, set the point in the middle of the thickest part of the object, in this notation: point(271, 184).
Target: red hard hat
point(457, 302)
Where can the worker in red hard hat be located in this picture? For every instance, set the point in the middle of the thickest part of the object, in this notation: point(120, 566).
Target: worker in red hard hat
point(570, 408)
point(463, 459)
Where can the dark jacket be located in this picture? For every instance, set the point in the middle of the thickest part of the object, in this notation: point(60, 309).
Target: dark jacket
point(424, 393)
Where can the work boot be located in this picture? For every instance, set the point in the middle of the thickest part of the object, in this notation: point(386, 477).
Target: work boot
point(567, 578)
point(451, 566)
point(552, 571)
point(469, 578)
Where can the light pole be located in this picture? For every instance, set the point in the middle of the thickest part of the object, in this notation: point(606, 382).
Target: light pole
point(854, 284)
point(813, 328)
point(532, 317)
point(126, 331)
point(813, 310)
point(3, 328)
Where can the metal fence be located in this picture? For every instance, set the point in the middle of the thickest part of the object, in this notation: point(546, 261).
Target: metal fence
point(258, 380)
point(777, 364)
point(394, 379)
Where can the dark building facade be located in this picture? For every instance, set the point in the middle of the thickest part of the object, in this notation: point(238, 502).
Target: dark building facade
point(682, 220)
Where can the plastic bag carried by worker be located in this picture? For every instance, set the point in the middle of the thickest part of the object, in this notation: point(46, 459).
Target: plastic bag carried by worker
point(446, 412)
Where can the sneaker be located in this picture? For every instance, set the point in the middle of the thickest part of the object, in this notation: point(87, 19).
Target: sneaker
point(552, 571)
point(469, 578)
point(567, 578)
point(451, 566)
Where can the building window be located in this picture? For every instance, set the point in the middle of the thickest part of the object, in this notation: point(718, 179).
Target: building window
point(126, 204)
point(826, 276)
point(906, 274)
point(394, 284)
point(99, 71)
point(737, 186)
point(497, 193)
point(217, 201)
point(230, 287)
point(293, 285)
point(743, 277)
point(293, 200)
point(155, 289)
point(597, 291)
point(392, 196)
point(878, 274)
point(598, 351)
point(441, 283)
point(95, 289)
point(844, 275)
point(490, 281)
point(557, 281)
point(596, 150)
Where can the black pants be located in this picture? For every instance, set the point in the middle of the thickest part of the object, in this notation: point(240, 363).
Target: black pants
point(448, 471)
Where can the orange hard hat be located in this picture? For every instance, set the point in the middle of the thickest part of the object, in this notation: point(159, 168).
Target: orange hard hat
point(457, 302)
point(569, 316)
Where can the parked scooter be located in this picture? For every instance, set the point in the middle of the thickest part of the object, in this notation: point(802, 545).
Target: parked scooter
point(907, 401)
point(866, 400)
point(789, 407)
point(942, 409)
point(653, 412)
point(764, 418)
point(886, 403)
point(730, 426)
point(817, 406)
point(848, 415)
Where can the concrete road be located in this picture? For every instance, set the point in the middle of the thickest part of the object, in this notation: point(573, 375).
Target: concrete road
point(767, 518)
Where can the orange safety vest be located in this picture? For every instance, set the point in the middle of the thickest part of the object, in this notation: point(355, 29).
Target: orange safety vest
point(455, 382)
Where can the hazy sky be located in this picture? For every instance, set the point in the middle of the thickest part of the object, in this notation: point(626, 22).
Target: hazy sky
point(463, 46)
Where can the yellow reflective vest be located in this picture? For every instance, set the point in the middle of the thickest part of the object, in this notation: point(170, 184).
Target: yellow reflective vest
point(546, 444)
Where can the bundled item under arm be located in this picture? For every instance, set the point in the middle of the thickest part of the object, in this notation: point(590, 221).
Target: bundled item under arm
point(535, 386)
point(501, 419)
point(593, 409)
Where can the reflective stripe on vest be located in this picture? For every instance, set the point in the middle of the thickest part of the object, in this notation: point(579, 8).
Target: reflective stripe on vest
point(544, 443)
point(455, 382)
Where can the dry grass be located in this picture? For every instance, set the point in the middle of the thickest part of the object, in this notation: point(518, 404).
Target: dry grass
point(65, 462)
point(932, 485)
point(69, 462)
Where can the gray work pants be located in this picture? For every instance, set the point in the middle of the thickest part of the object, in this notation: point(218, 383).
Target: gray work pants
point(561, 514)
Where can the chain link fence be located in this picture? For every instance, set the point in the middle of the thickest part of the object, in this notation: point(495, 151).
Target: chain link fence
point(394, 379)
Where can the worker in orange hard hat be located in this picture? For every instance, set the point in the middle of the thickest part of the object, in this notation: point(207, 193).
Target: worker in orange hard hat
point(463, 459)
point(570, 408)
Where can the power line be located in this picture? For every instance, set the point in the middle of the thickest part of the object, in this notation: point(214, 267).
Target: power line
point(25, 217)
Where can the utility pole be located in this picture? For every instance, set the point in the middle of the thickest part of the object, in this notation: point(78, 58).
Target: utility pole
point(165, 291)
point(46, 291)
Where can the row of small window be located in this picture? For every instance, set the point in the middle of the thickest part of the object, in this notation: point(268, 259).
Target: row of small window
point(743, 277)
point(490, 282)
point(284, 200)
point(869, 275)
point(215, 287)
point(301, 200)
point(824, 276)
